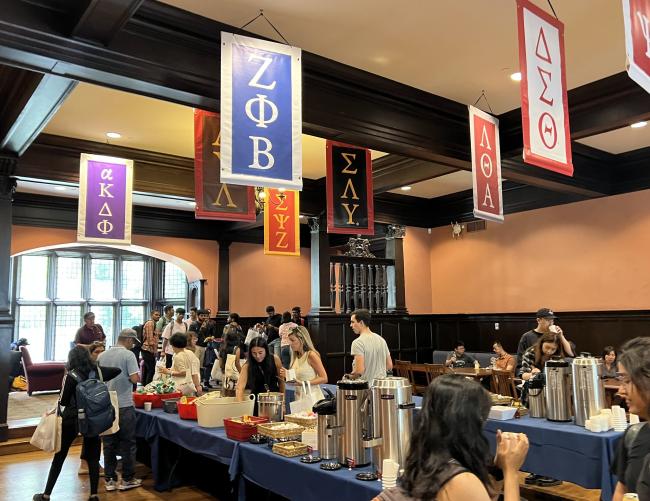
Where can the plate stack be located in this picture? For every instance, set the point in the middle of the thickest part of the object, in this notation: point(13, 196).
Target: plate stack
point(389, 474)
point(618, 418)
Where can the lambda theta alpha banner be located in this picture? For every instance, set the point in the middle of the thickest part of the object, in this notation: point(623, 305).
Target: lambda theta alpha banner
point(281, 222)
point(261, 113)
point(544, 106)
point(214, 199)
point(636, 14)
point(105, 190)
point(486, 165)
point(350, 204)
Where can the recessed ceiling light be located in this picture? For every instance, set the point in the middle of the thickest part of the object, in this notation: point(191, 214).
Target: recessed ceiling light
point(60, 188)
point(516, 77)
point(638, 125)
point(113, 135)
point(405, 188)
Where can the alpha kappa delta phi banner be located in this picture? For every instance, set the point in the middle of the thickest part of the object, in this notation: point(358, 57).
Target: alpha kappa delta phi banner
point(105, 190)
point(636, 17)
point(261, 113)
point(544, 106)
point(214, 199)
point(281, 222)
point(486, 165)
point(350, 203)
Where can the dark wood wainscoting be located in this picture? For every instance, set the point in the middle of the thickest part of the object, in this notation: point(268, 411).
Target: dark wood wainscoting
point(415, 337)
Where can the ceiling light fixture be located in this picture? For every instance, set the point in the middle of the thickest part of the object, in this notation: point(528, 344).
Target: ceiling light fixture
point(405, 188)
point(113, 135)
point(638, 125)
point(516, 77)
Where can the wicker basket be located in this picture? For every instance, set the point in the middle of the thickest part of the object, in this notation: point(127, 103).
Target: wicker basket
point(271, 430)
point(306, 422)
point(290, 449)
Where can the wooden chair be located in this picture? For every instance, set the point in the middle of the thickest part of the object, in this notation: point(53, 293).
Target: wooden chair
point(435, 370)
point(401, 369)
point(503, 383)
point(419, 377)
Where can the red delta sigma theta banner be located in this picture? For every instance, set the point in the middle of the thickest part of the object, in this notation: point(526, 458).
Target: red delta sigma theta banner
point(486, 165)
point(544, 106)
point(636, 15)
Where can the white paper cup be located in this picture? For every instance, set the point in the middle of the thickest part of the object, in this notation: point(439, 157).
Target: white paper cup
point(147, 406)
point(634, 419)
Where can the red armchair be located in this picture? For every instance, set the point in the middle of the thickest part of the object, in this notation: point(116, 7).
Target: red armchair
point(42, 376)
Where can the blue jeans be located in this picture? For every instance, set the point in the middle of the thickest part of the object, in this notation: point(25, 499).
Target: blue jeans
point(122, 442)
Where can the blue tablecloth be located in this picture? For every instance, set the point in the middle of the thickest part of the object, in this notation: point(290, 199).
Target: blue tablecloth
point(564, 451)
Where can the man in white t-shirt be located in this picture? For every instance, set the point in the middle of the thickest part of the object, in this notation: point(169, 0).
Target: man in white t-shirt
point(370, 351)
point(179, 325)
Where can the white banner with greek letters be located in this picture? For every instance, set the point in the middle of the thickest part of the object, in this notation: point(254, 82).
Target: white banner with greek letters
point(636, 17)
point(261, 113)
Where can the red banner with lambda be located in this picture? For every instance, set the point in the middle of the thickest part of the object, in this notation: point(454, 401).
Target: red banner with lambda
point(214, 199)
point(544, 106)
point(350, 204)
point(281, 222)
point(636, 17)
point(486, 165)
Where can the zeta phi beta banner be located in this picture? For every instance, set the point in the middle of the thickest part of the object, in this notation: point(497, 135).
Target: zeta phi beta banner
point(636, 17)
point(214, 199)
point(350, 203)
point(261, 113)
point(544, 105)
point(105, 188)
point(281, 222)
point(486, 165)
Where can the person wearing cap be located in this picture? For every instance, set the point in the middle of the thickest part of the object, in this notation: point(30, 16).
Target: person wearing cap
point(545, 323)
point(122, 442)
point(178, 326)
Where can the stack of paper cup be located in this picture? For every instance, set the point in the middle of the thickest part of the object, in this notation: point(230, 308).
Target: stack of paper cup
point(608, 413)
point(634, 419)
point(389, 474)
point(618, 418)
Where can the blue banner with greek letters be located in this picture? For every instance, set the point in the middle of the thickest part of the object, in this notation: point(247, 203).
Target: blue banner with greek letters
point(261, 113)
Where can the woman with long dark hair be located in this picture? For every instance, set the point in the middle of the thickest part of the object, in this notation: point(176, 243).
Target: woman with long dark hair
point(230, 346)
point(79, 361)
point(261, 371)
point(449, 456)
point(535, 357)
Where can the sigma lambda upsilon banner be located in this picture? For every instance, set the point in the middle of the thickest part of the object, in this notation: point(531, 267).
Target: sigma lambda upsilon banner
point(214, 199)
point(261, 113)
point(486, 165)
point(636, 17)
point(544, 106)
point(105, 203)
point(350, 204)
point(281, 222)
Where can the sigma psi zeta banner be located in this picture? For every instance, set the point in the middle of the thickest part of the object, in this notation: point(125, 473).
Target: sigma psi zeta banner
point(214, 199)
point(350, 203)
point(636, 14)
point(105, 191)
point(281, 222)
point(486, 165)
point(544, 106)
point(261, 113)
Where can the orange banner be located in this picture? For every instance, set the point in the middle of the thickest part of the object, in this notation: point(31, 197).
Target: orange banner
point(281, 222)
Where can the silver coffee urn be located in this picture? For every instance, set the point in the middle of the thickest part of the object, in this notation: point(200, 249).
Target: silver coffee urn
point(328, 429)
point(588, 387)
point(558, 390)
point(392, 419)
point(352, 411)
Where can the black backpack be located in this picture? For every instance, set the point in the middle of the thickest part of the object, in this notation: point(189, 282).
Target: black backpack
point(95, 411)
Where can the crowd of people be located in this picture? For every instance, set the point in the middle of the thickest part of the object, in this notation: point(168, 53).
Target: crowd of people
point(448, 457)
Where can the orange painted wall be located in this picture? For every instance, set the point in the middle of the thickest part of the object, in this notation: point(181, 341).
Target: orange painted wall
point(592, 255)
point(257, 281)
point(204, 254)
point(417, 270)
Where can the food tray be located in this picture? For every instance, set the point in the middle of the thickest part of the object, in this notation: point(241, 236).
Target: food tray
point(242, 428)
point(278, 430)
point(290, 449)
point(307, 422)
point(156, 400)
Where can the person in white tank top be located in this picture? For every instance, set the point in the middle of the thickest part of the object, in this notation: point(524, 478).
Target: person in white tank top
point(306, 361)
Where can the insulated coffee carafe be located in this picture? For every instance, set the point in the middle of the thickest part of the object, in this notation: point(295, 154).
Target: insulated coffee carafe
point(352, 407)
point(559, 406)
point(328, 429)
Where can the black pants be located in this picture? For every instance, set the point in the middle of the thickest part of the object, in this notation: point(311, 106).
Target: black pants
point(168, 360)
point(91, 448)
point(149, 367)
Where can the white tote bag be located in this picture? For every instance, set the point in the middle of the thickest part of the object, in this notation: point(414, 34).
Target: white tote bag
point(116, 422)
point(306, 400)
point(47, 435)
point(230, 373)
